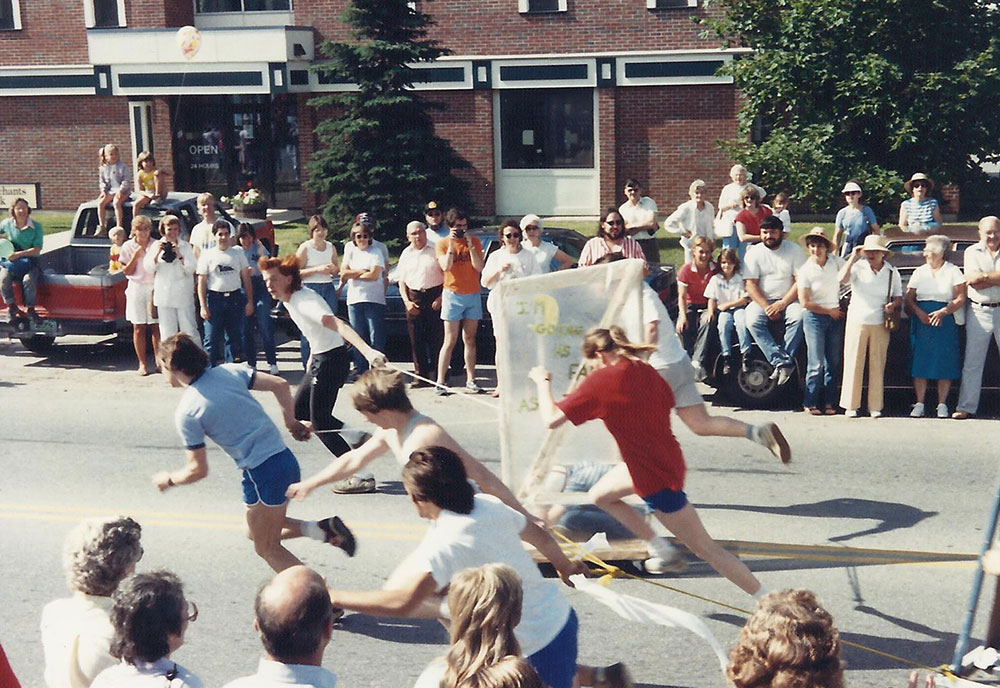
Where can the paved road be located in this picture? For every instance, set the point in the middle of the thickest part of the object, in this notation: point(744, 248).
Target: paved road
point(881, 518)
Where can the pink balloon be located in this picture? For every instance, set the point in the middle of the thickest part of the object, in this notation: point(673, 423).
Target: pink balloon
point(189, 41)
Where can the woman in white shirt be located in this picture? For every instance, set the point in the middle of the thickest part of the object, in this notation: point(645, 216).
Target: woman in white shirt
point(545, 252)
point(934, 294)
point(822, 322)
point(318, 265)
point(875, 293)
point(225, 293)
point(730, 204)
point(173, 264)
point(363, 271)
point(692, 218)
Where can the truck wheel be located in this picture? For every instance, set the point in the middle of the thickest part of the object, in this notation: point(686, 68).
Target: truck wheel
point(754, 388)
point(38, 343)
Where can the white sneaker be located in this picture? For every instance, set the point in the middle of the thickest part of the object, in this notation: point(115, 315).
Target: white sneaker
point(784, 374)
point(851, 413)
point(918, 410)
point(942, 411)
point(674, 563)
point(274, 369)
point(876, 414)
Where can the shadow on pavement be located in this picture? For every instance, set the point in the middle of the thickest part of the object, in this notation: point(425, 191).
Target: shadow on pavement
point(422, 631)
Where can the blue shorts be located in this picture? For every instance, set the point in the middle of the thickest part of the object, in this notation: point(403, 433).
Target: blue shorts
point(556, 662)
point(266, 484)
point(666, 500)
point(461, 306)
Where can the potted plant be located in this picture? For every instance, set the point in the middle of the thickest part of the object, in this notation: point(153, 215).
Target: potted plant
point(249, 203)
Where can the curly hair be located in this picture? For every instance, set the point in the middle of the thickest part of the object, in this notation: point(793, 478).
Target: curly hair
point(99, 553)
point(148, 608)
point(485, 606)
point(789, 642)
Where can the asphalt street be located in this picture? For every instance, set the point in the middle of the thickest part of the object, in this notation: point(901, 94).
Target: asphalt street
point(883, 519)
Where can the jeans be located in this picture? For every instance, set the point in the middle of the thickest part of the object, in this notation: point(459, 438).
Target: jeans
point(733, 322)
point(25, 271)
point(824, 346)
point(261, 322)
point(328, 290)
point(368, 320)
point(695, 335)
point(226, 313)
point(317, 395)
point(758, 323)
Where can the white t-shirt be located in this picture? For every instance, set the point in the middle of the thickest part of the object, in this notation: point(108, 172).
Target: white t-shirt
point(315, 258)
point(491, 533)
point(774, 270)
point(521, 264)
point(939, 287)
point(725, 291)
point(543, 253)
point(642, 213)
point(870, 292)
point(822, 282)
point(366, 291)
point(223, 268)
point(76, 639)
point(669, 348)
point(146, 675)
point(202, 237)
point(350, 248)
point(307, 309)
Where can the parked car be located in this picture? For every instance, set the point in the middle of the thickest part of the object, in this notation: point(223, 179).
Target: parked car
point(662, 278)
point(76, 294)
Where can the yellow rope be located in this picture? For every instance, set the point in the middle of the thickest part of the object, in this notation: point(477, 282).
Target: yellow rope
point(611, 572)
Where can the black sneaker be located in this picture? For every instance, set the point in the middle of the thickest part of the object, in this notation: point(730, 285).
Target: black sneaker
point(338, 535)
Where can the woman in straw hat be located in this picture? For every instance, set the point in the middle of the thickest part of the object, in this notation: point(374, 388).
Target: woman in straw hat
point(876, 291)
point(920, 213)
point(822, 322)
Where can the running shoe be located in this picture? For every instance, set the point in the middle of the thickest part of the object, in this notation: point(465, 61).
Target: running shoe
point(673, 563)
point(274, 370)
point(472, 387)
point(442, 390)
point(918, 410)
point(354, 485)
point(338, 535)
point(770, 436)
point(614, 676)
point(942, 411)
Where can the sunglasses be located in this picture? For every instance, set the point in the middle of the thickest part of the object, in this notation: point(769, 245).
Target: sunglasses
point(532, 228)
point(919, 184)
point(362, 236)
point(511, 236)
point(614, 222)
point(193, 616)
point(852, 193)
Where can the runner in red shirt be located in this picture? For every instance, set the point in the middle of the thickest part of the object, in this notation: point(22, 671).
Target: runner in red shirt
point(634, 402)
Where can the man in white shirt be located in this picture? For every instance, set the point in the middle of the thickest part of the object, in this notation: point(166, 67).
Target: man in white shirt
point(770, 271)
point(295, 618)
point(639, 213)
point(982, 275)
point(420, 281)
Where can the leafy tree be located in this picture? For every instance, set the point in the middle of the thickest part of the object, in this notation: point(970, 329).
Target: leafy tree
point(379, 153)
point(872, 90)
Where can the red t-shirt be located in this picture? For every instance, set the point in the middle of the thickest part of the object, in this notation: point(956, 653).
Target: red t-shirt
point(751, 221)
point(634, 402)
point(696, 282)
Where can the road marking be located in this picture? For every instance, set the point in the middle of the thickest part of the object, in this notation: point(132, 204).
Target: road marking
point(413, 532)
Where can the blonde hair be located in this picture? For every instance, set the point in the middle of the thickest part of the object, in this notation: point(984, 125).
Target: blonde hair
point(141, 221)
point(789, 642)
point(99, 552)
point(703, 241)
point(115, 232)
point(613, 340)
point(103, 157)
point(205, 198)
point(485, 606)
point(509, 672)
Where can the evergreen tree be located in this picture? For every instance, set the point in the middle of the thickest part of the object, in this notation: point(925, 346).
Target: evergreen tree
point(873, 90)
point(379, 153)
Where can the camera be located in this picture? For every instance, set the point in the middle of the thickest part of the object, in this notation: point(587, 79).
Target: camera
point(459, 233)
point(169, 252)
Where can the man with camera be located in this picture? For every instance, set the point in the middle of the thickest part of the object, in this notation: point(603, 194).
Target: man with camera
point(173, 263)
point(461, 259)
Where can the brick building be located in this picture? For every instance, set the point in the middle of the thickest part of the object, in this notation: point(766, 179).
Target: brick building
point(553, 102)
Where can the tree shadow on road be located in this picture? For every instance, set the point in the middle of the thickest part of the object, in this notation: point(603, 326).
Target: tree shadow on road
point(892, 515)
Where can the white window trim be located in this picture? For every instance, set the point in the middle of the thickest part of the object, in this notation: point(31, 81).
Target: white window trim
point(89, 18)
point(523, 6)
point(15, 11)
point(651, 5)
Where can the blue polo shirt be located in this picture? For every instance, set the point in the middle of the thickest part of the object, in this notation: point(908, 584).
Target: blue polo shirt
point(218, 405)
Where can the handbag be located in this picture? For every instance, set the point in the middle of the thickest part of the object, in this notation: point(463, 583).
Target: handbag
point(723, 227)
point(892, 320)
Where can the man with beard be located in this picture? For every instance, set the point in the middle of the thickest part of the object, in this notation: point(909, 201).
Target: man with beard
point(770, 269)
point(611, 238)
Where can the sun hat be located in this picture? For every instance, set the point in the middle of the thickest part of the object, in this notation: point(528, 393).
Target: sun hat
point(818, 233)
point(874, 242)
point(918, 176)
point(851, 186)
point(531, 219)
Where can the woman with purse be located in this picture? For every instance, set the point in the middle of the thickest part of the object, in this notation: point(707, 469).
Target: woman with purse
point(876, 297)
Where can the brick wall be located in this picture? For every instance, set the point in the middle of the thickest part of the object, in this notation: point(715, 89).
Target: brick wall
point(55, 140)
point(52, 33)
point(666, 137)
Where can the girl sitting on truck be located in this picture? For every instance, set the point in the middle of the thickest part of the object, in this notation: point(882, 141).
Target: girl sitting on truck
point(151, 185)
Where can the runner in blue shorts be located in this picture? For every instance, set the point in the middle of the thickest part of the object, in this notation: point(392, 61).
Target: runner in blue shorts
point(217, 404)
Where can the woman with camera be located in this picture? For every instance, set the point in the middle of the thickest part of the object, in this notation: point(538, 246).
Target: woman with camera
point(173, 264)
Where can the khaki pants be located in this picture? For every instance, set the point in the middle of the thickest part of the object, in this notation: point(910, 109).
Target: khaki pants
point(860, 340)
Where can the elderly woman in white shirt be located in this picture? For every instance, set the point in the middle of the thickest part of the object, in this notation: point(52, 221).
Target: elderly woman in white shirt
point(935, 294)
point(822, 322)
point(876, 292)
point(692, 218)
point(76, 631)
point(173, 264)
point(731, 203)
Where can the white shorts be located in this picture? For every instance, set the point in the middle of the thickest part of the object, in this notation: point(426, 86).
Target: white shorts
point(137, 301)
point(680, 377)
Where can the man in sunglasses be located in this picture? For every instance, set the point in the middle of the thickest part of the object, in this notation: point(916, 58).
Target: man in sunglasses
point(436, 228)
point(611, 238)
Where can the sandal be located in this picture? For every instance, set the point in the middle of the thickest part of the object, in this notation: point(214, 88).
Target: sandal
point(812, 410)
point(830, 411)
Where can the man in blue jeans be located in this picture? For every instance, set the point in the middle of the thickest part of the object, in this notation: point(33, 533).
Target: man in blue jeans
point(770, 270)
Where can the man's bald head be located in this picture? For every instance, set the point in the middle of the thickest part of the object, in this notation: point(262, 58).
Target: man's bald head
point(988, 222)
point(294, 616)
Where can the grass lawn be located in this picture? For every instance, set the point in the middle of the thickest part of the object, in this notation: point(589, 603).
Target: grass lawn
point(54, 220)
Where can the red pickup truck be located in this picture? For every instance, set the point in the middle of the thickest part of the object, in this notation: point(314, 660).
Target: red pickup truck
point(76, 294)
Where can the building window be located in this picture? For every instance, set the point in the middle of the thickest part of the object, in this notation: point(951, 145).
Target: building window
point(547, 129)
point(669, 4)
point(539, 6)
point(212, 6)
point(104, 14)
point(10, 15)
